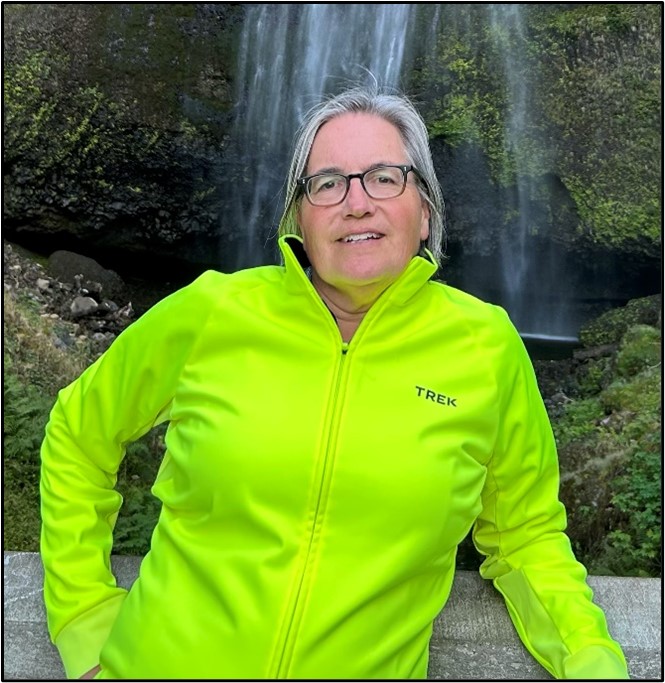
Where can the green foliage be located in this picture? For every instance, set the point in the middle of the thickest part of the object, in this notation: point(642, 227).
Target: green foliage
point(595, 376)
point(35, 369)
point(601, 94)
point(74, 152)
point(140, 510)
point(579, 420)
point(640, 350)
point(610, 327)
point(636, 546)
point(459, 124)
point(23, 93)
point(635, 395)
point(31, 347)
point(26, 411)
point(136, 522)
point(613, 18)
point(609, 439)
point(591, 74)
point(468, 99)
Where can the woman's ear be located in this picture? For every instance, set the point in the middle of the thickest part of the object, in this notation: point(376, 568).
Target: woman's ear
point(424, 220)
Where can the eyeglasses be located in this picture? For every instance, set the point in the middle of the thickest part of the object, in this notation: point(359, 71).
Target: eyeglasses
point(380, 182)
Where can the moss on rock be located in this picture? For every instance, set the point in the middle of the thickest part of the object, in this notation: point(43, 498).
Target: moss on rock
point(608, 432)
point(610, 327)
point(589, 79)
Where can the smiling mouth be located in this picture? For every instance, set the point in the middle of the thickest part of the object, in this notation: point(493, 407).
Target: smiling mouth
point(361, 237)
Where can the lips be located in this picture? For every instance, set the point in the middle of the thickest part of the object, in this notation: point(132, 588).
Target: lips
point(361, 237)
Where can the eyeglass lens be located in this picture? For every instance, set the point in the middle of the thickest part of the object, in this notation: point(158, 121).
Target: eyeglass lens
point(382, 182)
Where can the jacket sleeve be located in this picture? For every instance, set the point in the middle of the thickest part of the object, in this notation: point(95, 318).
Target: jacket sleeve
point(521, 531)
point(115, 401)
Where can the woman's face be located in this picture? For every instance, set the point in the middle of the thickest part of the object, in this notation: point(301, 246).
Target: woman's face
point(392, 229)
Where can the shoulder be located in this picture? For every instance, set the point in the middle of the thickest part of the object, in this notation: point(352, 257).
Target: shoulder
point(213, 280)
point(212, 292)
point(486, 326)
point(212, 286)
point(469, 307)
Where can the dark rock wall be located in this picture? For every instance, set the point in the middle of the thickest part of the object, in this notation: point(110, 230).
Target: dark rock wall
point(118, 118)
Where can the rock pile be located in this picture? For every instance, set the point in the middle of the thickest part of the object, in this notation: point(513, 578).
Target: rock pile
point(88, 301)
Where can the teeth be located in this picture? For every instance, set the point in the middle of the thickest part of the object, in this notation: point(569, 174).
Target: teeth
point(362, 236)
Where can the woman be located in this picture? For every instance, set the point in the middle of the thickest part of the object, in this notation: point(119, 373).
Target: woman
point(337, 426)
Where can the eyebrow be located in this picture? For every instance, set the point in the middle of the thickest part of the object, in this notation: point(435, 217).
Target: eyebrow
point(338, 170)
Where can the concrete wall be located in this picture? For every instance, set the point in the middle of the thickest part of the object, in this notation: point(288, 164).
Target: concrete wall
point(473, 637)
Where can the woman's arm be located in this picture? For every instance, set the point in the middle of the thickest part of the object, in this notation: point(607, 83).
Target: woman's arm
point(115, 401)
point(521, 530)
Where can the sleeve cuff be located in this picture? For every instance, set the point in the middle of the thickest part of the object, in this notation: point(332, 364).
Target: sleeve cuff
point(595, 662)
point(81, 641)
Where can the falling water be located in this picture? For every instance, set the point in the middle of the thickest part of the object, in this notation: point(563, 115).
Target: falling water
point(291, 55)
point(534, 283)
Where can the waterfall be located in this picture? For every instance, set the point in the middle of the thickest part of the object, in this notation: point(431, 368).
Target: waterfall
point(290, 56)
point(535, 287)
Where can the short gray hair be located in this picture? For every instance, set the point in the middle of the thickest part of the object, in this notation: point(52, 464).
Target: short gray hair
point(396, 109)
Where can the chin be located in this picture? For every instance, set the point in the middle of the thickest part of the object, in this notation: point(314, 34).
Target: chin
point(371, 275)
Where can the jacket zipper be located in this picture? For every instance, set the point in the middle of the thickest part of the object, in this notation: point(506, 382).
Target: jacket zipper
point(290, 635)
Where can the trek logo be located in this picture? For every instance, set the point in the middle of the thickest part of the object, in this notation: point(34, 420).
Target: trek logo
point(430, 395)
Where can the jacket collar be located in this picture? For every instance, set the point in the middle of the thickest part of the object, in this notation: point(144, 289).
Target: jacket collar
point(419, 271)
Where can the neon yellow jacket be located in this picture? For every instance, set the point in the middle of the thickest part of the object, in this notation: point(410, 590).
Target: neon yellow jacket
point(314, 492)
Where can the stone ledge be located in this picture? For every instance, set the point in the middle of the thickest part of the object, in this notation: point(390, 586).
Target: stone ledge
point(473, 637)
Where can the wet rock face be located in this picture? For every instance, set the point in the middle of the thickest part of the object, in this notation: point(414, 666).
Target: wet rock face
point(136, 148)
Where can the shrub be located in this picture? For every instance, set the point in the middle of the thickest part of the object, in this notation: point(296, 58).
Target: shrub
point(610, 444)
point(26, 411)
point(637, 541)
point(640, 349)
point(36, 367)
point(140, 510)
point(610, 327)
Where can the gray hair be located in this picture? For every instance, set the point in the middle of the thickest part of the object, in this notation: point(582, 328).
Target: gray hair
point(396, 109)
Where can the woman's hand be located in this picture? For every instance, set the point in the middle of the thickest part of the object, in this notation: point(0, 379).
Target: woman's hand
point(92, 673)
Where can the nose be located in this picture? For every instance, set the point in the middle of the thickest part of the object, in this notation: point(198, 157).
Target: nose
point(357, 202)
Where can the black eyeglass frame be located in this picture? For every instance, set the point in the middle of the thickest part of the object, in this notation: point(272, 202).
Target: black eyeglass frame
point(303, 182)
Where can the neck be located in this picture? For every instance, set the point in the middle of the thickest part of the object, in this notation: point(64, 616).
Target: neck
point(347, 306)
